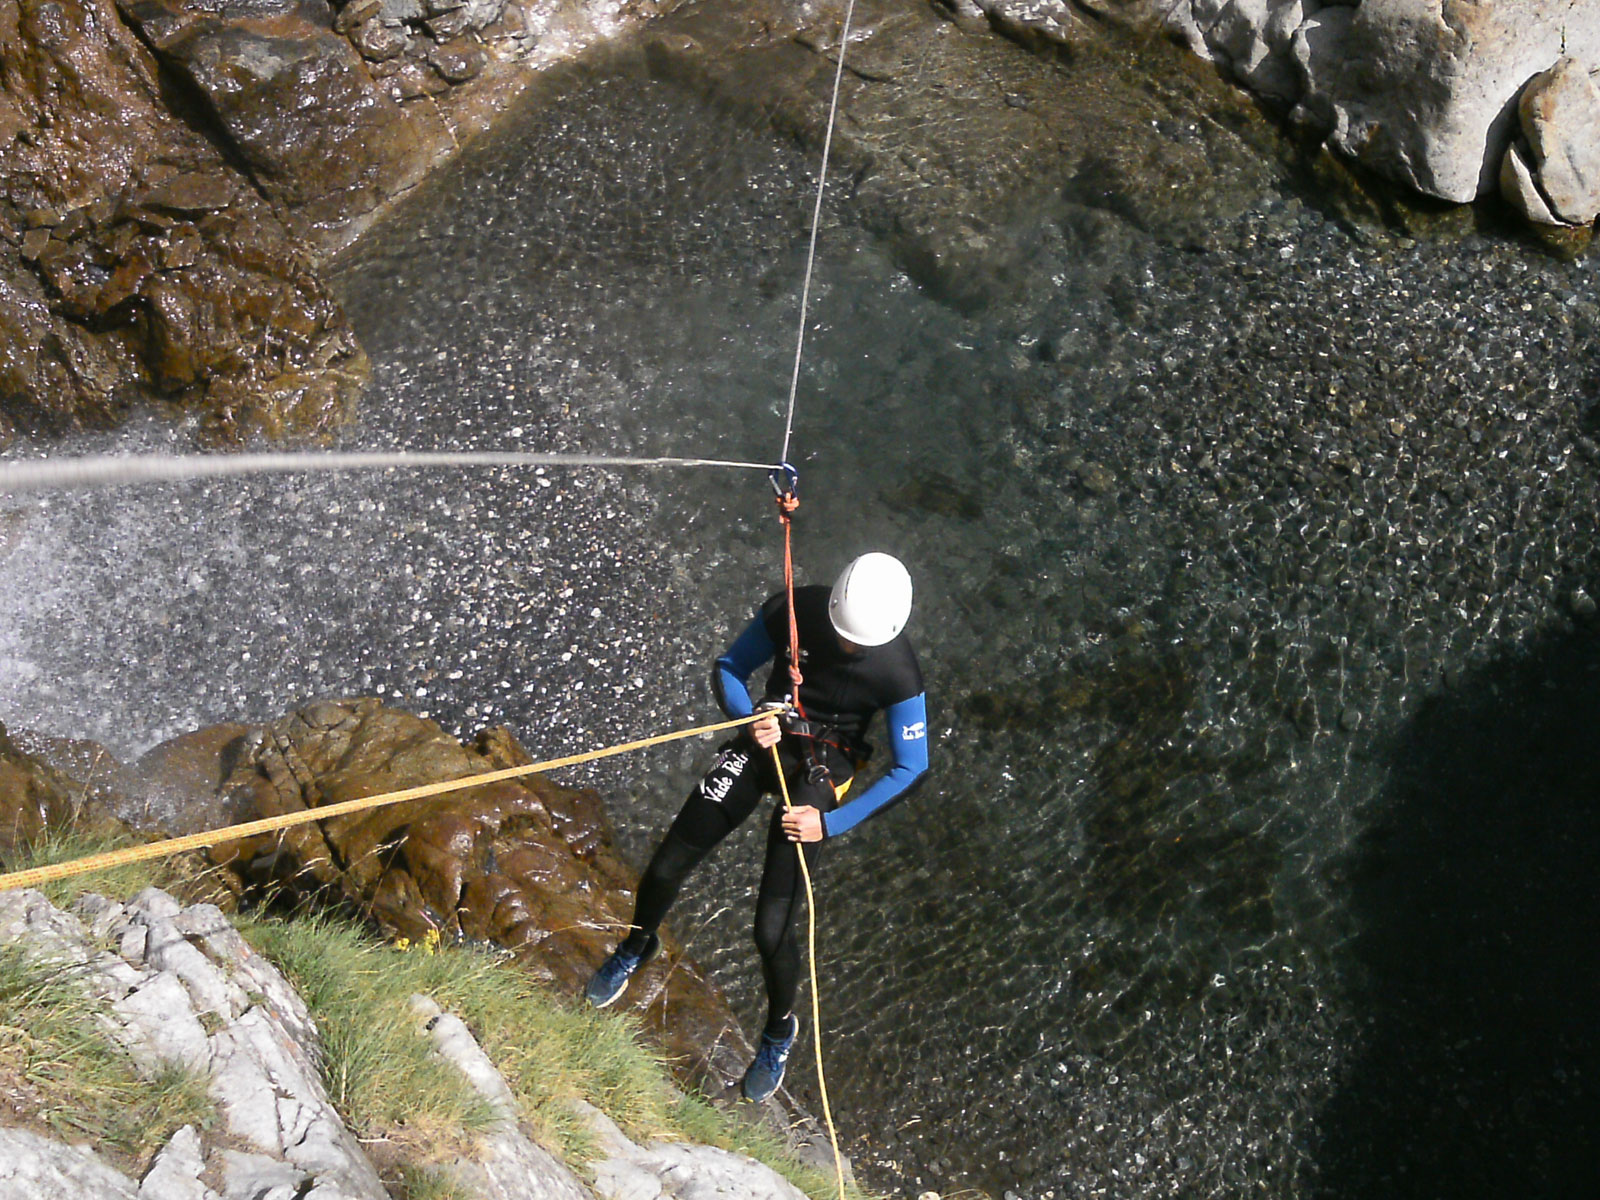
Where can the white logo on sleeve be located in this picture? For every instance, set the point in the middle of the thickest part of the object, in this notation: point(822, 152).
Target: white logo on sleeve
point(910, 733)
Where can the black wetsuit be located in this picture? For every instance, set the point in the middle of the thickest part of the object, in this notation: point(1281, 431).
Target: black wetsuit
point(840, 693)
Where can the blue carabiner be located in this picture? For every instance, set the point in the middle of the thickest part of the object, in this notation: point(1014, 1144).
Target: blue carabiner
point(785, 481)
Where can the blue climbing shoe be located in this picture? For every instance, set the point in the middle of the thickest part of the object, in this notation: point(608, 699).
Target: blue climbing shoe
point(766, 1073)
point(612, 977)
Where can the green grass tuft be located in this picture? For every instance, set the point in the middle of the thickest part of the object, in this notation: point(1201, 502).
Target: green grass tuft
point(379, 1069)
point(380, 1072)
point(83, 1084)
point(437, 1183)
point(63, 845)
point(386, 1082)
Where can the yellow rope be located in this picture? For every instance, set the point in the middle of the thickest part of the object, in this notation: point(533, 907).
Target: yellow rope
point(34, 876)
point(816, 1001)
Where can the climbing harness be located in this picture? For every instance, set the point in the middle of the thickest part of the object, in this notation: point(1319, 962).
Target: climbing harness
point(34, 876)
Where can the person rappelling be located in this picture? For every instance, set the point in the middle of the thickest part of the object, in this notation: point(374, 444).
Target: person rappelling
point(854, 662)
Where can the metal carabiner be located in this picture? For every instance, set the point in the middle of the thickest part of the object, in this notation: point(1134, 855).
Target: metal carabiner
point(785, 482)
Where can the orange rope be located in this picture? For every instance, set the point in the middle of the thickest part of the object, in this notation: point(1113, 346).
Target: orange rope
point(786, 505)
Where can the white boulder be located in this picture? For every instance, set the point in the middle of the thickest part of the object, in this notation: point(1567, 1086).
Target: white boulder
point(675, 1170)
point(1425, 90)
point(1519, 187)
point(1560, 118)
point(33, 1167)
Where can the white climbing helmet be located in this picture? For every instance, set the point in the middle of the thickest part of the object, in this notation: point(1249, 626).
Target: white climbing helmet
point(871, 600)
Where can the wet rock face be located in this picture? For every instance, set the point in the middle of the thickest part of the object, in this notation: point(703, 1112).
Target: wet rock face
point(132, 254)
point(172, 172)
point(33, 796)
point(295, 100)
point(524, 863)
point(174, 786)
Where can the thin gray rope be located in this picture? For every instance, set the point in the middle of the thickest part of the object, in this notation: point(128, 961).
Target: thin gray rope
point(816, 222)
point(111, 470)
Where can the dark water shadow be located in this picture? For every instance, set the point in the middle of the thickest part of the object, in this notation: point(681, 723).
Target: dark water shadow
point(1478, 910)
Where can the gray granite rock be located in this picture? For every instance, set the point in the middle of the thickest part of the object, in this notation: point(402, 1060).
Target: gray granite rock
point(158, 1026)
point(175, 1173)
point(259, 1177)
point(1560, 118)
point(33, 1167)
point(507, 1164)
point(256, 1044)
point(267, 1087)
point(676, 1170)
point(1422, 91)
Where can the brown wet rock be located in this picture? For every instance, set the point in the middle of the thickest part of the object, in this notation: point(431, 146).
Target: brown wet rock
point(53, 785)
point(378, 41)
point(174, 785)
point(294, 100)
point(33, 796)
point(94, 777)
point(191, 193)
point(52, 370)
point(172, 173)
point(524, 864)
point(134, 257)
point(457, 63)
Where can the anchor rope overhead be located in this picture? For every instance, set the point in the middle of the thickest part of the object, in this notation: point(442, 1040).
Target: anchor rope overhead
point(112, 469)
point(816, 222)
point(33, 876)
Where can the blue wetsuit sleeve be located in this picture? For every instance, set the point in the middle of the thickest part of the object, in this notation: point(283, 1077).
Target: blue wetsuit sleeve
point(908, 744)
point(731, 679)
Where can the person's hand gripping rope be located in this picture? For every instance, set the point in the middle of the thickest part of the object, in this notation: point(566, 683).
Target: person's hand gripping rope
point(801, 823)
